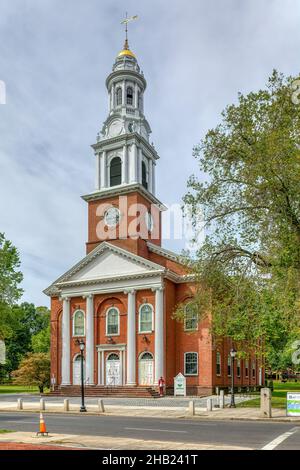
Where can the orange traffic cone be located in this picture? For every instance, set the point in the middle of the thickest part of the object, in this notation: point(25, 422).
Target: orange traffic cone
point(43, 430)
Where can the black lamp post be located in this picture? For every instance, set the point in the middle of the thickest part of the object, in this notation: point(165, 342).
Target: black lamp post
point(82, 346)
point(232, 355)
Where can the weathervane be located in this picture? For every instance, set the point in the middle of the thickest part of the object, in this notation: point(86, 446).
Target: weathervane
point(126, 21)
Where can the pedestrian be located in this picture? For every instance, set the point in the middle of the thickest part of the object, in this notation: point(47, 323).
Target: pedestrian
point(161, 385)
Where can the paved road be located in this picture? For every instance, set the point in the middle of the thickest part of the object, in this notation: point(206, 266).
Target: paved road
point(255, 435)
point(156, 402)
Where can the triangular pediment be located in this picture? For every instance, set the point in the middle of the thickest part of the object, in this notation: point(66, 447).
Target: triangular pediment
point(107, 262)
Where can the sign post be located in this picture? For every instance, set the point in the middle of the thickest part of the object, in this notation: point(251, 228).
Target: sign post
point(293, 404)
point(179, 385)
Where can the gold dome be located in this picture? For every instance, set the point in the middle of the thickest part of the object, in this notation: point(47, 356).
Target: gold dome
point(126, 52)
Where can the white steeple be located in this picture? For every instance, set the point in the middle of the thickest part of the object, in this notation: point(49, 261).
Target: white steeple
point(123, 152)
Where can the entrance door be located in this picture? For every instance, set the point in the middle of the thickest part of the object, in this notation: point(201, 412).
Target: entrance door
point(77, 370)
point(113, 372)
point(146, 369)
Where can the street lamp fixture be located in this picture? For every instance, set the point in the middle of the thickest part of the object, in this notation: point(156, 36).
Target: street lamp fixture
point(81, 347)
point(233, 353)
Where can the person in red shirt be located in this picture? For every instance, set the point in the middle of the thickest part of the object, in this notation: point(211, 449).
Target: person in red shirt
point(161, 385)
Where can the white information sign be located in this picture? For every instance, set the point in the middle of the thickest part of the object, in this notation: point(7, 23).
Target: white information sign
point(180, 385)
point(2, 352)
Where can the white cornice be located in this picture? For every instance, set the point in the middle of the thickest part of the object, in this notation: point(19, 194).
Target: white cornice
point(122, 190)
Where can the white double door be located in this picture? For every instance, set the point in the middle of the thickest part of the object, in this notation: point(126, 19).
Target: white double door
point(146, 372)
point(77, 371)
point(113, 371)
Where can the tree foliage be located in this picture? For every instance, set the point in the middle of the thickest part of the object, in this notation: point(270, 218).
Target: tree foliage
point(34, 370)
point(248, 269)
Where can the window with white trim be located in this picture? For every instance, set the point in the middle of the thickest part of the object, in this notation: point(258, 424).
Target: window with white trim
point(218, 363)
point(238, 367)
point(118, 96)
point(229, 365)
point(112, 321)
point(191, 363)
point(253, 369)
point(146, 318)
point(190, 317)
point(78, 323)
point(246, 367)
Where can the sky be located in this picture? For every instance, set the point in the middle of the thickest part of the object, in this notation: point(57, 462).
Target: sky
point(54, 58)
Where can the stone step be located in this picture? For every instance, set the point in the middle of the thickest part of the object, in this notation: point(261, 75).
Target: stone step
point(99, 391)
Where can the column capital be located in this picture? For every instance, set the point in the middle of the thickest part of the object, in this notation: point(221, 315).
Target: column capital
point(129, 291)
point(88, 296)
point(62, 298)
point(160, 289)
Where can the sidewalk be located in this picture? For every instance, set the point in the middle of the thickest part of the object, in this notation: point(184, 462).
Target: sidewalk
point(104, 443)
point(161, 412)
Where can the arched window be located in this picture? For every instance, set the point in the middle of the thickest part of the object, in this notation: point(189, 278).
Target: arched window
point(191, 363)
point(146, 318)
point(119, 96)
point(144, 175)
point(112, 321)
point(190, 317)
point(129, 95)
point(78, 323)
point(113, 357)
point(115, 171)
point(218, 363)
point(146, 356)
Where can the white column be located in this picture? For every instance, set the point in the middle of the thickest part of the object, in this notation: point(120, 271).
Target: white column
point(131, 350)
point(153, 179)
point(150, 173)
point(103, 178)
point(98, 182)
point(113, 96)
point(139, 166)
point(102, 367)
point(136, 90)
point(159, 334)
point(89, 336)
point(65, 359)
point(124, 165)
point(99, 368)
point(121, 366)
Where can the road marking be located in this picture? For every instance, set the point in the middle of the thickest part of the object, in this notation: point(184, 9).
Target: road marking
point(275, 443)
point(156, 430)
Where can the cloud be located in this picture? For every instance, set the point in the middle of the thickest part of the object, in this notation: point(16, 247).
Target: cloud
point(54, 58)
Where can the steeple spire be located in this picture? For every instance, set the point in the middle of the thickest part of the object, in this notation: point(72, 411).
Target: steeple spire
point(125, 22)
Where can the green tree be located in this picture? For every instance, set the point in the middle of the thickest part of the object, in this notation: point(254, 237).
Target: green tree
point(248, 269)
point(41, 341)
point(10, 276)
point(23, 322)
point(34, 370)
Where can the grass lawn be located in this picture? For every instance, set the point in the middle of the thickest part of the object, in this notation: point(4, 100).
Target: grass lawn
point(18, 389)
point(278, 395)
point(4, 431)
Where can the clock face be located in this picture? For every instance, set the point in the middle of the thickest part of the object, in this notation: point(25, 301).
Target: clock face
point(149, 221)
point(115, 128)
point(112, 217)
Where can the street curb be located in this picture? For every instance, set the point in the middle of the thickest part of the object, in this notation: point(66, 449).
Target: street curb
point(188, 417)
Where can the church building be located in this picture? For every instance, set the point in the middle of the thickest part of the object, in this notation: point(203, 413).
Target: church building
point(119, 300)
